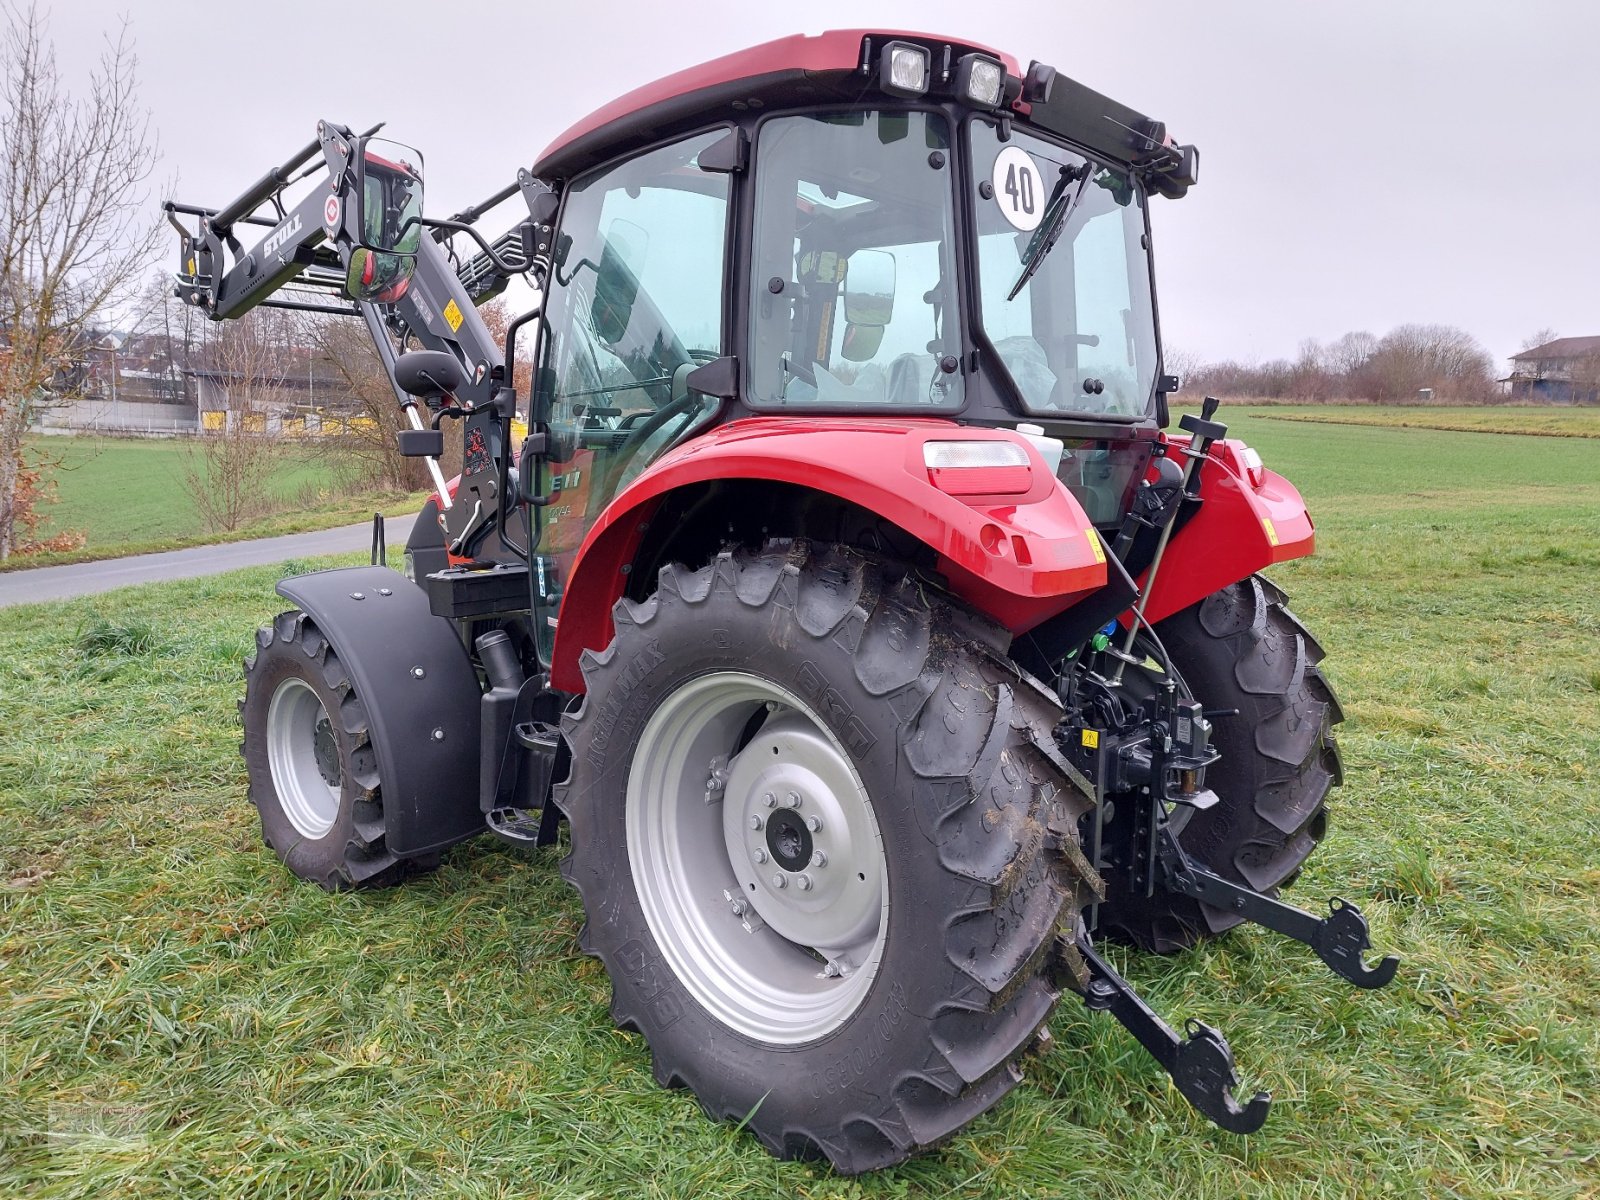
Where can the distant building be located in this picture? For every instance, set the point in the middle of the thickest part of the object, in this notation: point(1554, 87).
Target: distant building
point(1565, 371)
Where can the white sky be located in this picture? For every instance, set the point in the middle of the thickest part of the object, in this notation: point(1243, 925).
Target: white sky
point(1364, 162)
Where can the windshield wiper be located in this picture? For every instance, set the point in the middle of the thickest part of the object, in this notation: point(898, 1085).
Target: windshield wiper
point(1056, 210)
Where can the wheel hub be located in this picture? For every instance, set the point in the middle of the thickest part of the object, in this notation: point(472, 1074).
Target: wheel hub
point(303, 756)
point(764, 884)
point(327, 752)
point(789, 840)
point(790, 794)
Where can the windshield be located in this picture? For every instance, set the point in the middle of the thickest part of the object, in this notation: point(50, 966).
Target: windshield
point(1078, 335)
point(854, 288)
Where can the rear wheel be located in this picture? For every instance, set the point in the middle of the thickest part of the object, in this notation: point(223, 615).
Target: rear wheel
point(313, 771)
point(826, 848)
point(1242, 648)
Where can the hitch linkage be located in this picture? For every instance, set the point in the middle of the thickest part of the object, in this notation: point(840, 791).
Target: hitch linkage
point(1200, 1063)
point(1340, 939)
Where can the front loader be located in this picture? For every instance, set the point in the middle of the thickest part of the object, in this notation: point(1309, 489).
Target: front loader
point(848, 599)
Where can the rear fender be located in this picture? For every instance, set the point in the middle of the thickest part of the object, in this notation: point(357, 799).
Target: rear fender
point(1241, 527)
point(1019, 559)
point(421, 696)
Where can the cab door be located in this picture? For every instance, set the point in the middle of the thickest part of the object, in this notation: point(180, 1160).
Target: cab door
point(634, 302)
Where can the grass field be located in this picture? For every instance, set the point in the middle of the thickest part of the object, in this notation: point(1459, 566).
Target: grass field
point(1499, 418)
point(178, 1017)
point(127, 496)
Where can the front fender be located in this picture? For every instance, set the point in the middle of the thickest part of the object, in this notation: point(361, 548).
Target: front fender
point(1020, 559)
point(1241, 527)
point(420, 693)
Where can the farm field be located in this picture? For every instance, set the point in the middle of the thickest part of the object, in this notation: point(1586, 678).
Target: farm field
point(180, 1017)
point(1496, 418)
point(127, 496)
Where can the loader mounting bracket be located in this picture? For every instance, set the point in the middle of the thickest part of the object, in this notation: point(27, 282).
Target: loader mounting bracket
point(1340, 939)
point(1200, 1063)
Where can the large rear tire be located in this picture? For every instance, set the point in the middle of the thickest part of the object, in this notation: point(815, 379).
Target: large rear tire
point(826, 847)
point(313, 771)
point(1242, 648)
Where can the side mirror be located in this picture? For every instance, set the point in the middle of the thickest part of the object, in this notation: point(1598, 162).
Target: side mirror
point(428, 373)
point(869, 283)
point(374, 275)
point(389, 195)
point(616, 284)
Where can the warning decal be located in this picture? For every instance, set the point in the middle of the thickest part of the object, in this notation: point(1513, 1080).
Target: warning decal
point(453, 316)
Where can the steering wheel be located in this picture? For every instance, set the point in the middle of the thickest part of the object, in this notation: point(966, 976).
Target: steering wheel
point(682, 406)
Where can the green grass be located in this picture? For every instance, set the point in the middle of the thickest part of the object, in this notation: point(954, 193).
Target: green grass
point(179, 1017)
point(127, 496)
point(1496, 418)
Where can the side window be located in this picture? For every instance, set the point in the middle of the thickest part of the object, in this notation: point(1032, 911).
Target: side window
point(633, 305)
point(1110, 346)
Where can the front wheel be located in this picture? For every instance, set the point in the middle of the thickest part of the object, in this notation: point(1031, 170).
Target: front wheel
point(826, 848)
point(313, 770)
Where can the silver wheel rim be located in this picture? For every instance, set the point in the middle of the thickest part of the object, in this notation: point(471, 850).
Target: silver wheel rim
point(761, 873)
point(303, 757)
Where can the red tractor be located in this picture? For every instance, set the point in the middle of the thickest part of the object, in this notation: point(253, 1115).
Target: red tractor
point(847, 598)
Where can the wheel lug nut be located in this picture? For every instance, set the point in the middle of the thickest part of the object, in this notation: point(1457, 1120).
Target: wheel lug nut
point(769, 800)
point(813, 823)
point(819, 859)
point(760, 855)
point(803, 883)
point(792, 800)
point(780, 880)
point(755, 822)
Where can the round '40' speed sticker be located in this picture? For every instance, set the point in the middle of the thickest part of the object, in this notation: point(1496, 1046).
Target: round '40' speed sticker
point(1018, 188)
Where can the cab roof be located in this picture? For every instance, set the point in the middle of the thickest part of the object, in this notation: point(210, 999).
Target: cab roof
point(840, 67)
point(789, 71)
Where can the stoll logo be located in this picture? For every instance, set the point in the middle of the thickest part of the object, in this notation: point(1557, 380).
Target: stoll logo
point(280, 236)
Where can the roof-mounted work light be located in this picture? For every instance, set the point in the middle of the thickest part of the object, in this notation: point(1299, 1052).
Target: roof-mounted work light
point(903, 69)
point(980, 81)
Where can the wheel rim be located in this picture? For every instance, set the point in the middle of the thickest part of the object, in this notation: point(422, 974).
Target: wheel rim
point(303, 756)
point(716, 817)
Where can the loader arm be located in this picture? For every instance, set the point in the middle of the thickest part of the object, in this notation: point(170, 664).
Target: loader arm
point(418, 294)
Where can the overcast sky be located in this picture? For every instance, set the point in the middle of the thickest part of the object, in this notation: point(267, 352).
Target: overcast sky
point(1365, 163)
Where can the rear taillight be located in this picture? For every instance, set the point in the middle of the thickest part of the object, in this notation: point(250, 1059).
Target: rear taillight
point(973, 468)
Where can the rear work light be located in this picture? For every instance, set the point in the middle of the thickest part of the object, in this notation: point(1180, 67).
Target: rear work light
point(903, 69)
point(980, 81)
point(978, 468)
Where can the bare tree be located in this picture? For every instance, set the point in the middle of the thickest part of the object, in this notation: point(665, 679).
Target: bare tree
point(1585, 375)
point(369, 444)
point(74, 234)
point(1447, 360)
point(228, 469)
point(1348, 354)
point(1541, 337)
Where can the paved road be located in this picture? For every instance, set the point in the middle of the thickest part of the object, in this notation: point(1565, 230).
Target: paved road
point(82, 579)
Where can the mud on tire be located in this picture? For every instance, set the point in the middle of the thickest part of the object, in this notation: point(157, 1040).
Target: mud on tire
point(304, 729)
point(978, 824)
point(1242, 648)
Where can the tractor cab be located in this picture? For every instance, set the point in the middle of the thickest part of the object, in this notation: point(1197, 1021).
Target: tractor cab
point(879, 226)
